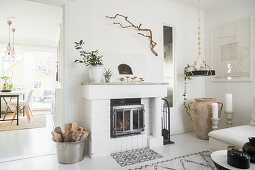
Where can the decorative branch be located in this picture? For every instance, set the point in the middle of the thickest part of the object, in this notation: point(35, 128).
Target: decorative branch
point(138, 28)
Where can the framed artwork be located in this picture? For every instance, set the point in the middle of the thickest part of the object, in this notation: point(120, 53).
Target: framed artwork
point(232, 51)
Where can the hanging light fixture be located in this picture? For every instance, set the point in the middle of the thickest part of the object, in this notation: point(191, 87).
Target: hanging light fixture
point(204, 69)
point(10, 51)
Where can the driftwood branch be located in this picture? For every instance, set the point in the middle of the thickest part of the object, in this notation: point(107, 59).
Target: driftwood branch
point(147, 34)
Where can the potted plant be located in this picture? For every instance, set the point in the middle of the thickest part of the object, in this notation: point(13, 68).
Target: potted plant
point(91, 59)
point(107, 75)
point(6, 84)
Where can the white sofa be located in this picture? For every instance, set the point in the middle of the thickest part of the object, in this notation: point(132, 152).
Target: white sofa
point(237, 136)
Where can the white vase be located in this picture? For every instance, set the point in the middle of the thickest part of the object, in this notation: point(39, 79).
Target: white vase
point(95, 73)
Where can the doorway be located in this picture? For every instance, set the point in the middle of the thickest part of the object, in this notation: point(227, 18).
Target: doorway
point(37, 66)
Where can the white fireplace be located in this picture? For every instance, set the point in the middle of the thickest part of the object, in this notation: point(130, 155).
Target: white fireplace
point(97, 114)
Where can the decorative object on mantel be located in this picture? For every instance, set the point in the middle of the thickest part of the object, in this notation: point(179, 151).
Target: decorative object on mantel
point(195, 161)
point(122, 79)
point(71, 144)
point(135, 156)
point(229, 109)
point(193, 70)
point(138, 28)
point(127, 78)
point(201, 114)
point(92, 59)
point(107, 75)
point(249, 148)
point(125, 69)
point(10, 51)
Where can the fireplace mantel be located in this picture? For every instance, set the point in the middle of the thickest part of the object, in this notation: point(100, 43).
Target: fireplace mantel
point(97, 109)
point(123, 90)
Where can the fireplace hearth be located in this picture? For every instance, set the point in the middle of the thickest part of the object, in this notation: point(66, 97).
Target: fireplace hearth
point(127, 117)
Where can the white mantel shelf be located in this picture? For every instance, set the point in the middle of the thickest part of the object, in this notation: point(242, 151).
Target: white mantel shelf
point(123, 90)
point(120, 83)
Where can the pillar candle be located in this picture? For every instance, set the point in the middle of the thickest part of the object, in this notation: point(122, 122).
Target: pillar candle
point(228, 102)
point(215, 110)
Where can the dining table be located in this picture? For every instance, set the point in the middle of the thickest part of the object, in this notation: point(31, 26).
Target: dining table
point(10, 95)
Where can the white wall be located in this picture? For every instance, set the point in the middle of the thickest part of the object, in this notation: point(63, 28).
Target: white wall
point(242, 91)
point(85, 19)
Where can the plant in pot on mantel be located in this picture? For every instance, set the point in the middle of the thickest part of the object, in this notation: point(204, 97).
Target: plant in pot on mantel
point(91, 59)
point(107, 75)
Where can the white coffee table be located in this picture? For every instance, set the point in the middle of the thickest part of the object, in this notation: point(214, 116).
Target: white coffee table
point(220, 158)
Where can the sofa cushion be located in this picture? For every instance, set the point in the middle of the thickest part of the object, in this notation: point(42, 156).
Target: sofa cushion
point(235, 135)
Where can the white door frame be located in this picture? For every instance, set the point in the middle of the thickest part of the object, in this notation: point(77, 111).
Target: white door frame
point(60, 90)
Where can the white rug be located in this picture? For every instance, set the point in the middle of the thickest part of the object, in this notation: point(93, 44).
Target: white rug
point(196, 161)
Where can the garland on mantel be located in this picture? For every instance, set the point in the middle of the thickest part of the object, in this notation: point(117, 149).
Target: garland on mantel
point(138, 28)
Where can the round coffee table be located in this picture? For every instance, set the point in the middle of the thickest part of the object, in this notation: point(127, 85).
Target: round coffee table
point(220, 160)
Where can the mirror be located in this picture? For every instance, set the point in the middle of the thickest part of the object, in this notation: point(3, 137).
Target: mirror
point(168, 62)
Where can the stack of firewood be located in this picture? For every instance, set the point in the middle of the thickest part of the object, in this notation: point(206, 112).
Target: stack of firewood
point(73, 133)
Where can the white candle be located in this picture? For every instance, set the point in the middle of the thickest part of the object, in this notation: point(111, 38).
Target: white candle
point(214, 110)
point(228, 102)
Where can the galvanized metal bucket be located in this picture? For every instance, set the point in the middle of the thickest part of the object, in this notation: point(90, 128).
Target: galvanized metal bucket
point(70, 152)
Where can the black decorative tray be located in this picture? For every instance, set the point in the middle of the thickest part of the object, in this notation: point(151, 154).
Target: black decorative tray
point(202, 73)
point(6, 90)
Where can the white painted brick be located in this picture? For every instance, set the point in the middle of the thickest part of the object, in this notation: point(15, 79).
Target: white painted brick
point(129, 142)
point(118, 144)
point(145, 140)
point(100, 125)
point(113, 145)
point(99, 136)
point(134, 142)
point(123, 144)
point(139, 141)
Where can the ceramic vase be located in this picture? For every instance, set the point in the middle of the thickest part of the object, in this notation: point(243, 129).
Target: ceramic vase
point(201, 114)
point(107, 79)
point(249, 148)
point(95, 73)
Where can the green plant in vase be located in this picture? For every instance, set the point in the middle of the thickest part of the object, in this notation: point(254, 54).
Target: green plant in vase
point(92, 59)
point(5, 85)
point(107, 75)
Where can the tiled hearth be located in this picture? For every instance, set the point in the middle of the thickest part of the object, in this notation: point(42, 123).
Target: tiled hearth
point(97, 99)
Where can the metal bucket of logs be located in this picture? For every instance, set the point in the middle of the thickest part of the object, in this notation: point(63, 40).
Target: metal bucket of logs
point(70, 145)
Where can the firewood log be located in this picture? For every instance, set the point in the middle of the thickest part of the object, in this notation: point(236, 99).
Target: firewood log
point(69, 127)
point(58, 130)
point(68, 136)
point(74, 130)
point(85, 135)
point(78, 136)
point(57, 137)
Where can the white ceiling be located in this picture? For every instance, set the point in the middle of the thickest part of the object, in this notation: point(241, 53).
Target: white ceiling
point(35, 23)
point(205, 4)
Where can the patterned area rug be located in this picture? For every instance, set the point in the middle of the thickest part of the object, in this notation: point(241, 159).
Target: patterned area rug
point(135, 156)
point(196, 161)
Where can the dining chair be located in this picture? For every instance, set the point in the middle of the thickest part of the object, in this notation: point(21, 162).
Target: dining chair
point(23, 104)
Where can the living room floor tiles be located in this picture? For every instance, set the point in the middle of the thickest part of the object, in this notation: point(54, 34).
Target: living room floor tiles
point(185, 143)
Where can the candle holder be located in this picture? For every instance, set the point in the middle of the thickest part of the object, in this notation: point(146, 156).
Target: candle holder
point(229, 117)
point(215, 122)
